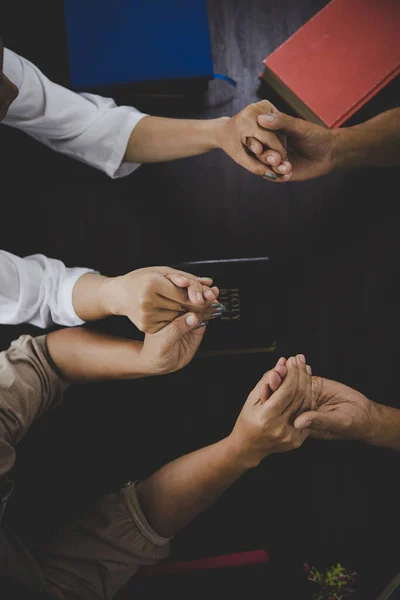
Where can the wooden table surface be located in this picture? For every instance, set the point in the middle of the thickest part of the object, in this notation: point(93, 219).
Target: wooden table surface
point(335, 246)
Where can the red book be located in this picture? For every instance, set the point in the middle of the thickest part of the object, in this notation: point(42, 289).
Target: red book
point(223, 561)
point(337, 61)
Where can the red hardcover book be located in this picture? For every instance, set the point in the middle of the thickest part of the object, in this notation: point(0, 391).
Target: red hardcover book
point(337, 61)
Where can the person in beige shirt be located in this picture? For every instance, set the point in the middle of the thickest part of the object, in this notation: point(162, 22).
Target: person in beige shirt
point(95, 556)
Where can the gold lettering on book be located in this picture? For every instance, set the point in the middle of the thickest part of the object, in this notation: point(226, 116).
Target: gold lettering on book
point(230, 297)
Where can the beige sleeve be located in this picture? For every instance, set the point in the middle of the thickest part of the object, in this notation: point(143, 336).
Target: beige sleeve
point(29, 385)
point(97, 555)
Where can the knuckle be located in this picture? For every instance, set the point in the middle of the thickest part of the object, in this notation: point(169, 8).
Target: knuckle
point(264, 105)
point(277, 433)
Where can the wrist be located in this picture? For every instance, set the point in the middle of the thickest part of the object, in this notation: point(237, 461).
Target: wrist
point(217, 131)
point(246, 456)
point(88, 297)
point(347, 152)
point(236, 454)
point(109, 296)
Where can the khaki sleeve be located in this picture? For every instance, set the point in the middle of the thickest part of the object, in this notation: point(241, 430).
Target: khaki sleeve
point(29, 385)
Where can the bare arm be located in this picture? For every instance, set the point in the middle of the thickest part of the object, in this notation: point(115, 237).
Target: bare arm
point(386, 432)
point(156, 139)
point(375, 143)
point(314, 150)
point(82, 355)
point(176, 493)
point(173, 496)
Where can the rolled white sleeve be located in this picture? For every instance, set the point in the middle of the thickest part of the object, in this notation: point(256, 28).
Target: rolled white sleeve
point(37, 290)
point(87, 127)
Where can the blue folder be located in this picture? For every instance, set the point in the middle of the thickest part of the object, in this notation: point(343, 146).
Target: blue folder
point(119, 42)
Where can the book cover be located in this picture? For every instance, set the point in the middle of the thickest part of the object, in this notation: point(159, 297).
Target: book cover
point(241, 574)
point(245, 290)
point(137, 41)
point(338, 60)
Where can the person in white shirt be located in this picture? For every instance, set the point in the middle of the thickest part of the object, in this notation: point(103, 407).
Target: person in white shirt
point(115, 139)
point(44, 292)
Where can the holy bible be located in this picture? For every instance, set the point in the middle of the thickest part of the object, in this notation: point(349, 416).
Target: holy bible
point(245, 286)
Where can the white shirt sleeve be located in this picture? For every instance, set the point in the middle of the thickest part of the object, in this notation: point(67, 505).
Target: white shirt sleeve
point(37, 290)
point(87, 127)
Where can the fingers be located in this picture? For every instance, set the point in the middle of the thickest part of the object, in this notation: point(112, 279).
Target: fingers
point(278, 169)
point(281, 173)
point(216, 291)
point(197, 293)
point(295, 386)
point(265, 155)
point(205, 281)
point(255, 146)
point(271, 380)
point(172, 333)
point(270, 140)
point(252, 164)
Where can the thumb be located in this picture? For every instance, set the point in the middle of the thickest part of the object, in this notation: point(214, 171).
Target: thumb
point(286, 123)
point(316, 421)
point(173, 332)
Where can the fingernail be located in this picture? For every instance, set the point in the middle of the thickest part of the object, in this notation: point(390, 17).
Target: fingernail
point(301, 358)
point(293, 361)
point(215, 315)
point(271, 159)
point(271, 176)
point(199, 296)
point(190, 320)
point(253, 148)
point(281, 168)
point(270, 117)
point(219, 306)
point(306, 424)
point(202, 324)
point(309, 370)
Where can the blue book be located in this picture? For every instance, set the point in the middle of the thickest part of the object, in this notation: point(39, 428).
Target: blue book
point(119, 42)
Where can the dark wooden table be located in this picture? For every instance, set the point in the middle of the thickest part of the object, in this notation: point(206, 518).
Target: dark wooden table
point(334, 244)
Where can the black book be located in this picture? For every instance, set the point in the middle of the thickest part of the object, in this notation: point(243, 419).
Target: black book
point(245, 290)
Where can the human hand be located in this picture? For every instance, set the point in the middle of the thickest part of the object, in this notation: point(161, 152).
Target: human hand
point(251, 145)
point(173, 347)
point(265, 424)
point(152, 297)
point(311, 148)
point(338, 411)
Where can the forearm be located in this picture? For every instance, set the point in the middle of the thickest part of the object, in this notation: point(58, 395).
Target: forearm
point(375, 143)
point(156, 139)
point(82, 355)
point(386, 430)
point(184, 488)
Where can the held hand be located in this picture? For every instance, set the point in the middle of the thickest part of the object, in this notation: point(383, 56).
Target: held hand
point(339, 412)
point(173, 347)
point(265, 424)
point(244, 140)
point(311, 148)
point(154, 296)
